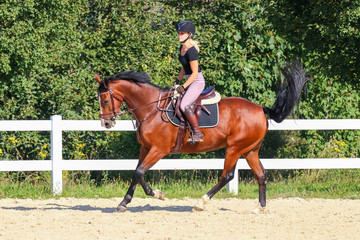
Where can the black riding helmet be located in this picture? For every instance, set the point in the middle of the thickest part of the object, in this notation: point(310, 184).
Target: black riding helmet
point(186, 26)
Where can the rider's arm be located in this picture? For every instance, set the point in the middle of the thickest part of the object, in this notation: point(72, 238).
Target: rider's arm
point(181, 74)
point(195, 71)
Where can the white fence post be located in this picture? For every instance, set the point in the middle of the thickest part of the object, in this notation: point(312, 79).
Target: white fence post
point(233, 185)
point(56, 154)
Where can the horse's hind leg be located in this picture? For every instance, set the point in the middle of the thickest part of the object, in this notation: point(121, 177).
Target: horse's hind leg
point(253, 160)
point(231, 157)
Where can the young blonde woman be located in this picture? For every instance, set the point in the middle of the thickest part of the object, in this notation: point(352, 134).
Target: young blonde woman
point(195, 82)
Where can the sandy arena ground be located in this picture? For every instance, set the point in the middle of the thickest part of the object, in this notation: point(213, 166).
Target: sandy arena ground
point(69, 218)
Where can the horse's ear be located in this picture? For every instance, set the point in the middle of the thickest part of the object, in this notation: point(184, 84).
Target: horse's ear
point(97, 78)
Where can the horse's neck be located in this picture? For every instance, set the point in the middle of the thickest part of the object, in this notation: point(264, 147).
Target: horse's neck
point(138, 97)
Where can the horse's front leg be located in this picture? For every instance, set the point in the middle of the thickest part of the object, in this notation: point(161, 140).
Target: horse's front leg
point(128, 196)
point(130, 193)
point(149, 160)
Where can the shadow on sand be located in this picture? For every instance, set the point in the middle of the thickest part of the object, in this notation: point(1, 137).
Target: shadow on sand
point(86, 208)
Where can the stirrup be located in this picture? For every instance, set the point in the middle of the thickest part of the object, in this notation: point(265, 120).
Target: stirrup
point(197, 137)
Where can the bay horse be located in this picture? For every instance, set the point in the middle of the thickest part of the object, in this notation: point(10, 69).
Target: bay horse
point(241, 129)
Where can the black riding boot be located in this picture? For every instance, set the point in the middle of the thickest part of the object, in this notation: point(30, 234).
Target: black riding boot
point(197, 136)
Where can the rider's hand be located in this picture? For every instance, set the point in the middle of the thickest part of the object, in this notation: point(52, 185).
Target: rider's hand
point(180, 89)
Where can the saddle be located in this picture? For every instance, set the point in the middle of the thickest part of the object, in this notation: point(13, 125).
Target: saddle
point(207, 97)
point(207, 102)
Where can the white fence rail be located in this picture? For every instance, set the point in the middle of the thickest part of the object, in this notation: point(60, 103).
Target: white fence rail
point(56, 165)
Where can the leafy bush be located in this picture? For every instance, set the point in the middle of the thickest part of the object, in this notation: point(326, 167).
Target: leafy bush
point(50, 51)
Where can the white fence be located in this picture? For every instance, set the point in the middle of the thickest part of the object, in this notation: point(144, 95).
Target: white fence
point(56, 165)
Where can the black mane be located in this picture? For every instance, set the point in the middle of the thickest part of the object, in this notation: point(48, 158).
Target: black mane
point(132, 76)
point(135, 77)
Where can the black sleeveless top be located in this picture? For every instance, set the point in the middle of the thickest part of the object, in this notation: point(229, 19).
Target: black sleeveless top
point(191, 55)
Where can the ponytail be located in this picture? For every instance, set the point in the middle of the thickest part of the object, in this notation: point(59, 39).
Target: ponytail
point(195, 44)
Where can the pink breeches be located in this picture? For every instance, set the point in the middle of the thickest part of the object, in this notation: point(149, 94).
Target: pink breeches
point(193, 91)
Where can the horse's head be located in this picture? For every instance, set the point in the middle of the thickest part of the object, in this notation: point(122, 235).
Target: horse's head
point(109, 103)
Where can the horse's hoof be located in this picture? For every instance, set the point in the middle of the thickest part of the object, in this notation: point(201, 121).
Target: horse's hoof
point(200, 206)
point(121, 209)
point(159, 194)
point(198, 209)
point(259, 210)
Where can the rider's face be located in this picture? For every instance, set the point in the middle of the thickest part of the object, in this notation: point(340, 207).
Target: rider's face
point(182, 36)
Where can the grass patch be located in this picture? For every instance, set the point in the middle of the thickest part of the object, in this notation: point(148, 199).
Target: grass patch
point(304, 184)
point(334, 183)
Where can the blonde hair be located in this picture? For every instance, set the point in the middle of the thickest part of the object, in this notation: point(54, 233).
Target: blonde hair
point(195, 44)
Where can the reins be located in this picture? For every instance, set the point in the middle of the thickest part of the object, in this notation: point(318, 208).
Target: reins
point(130, 111)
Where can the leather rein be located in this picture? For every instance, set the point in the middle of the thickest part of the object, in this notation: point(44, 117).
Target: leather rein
point(124, 109)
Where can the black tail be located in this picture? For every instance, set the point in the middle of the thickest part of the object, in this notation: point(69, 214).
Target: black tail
point(289, 92)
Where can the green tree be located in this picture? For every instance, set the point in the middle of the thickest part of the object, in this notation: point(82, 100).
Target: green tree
point(50, 50)
point(326, 33)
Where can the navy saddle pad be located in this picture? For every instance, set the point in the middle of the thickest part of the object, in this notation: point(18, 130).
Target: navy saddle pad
point(205, 121)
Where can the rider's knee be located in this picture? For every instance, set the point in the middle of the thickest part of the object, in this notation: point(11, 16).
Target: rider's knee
point(183, 107)
point(188, 109)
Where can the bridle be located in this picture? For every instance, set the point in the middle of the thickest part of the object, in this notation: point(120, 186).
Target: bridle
point(113, 113)
point(124, 109)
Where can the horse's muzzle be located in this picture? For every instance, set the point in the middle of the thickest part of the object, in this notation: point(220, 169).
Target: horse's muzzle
point(109, 123)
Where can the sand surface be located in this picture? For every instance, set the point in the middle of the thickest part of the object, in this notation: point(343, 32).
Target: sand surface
point(70, 218)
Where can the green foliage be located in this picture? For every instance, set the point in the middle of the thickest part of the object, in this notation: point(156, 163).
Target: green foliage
point(50, 50)
point(327, 33)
